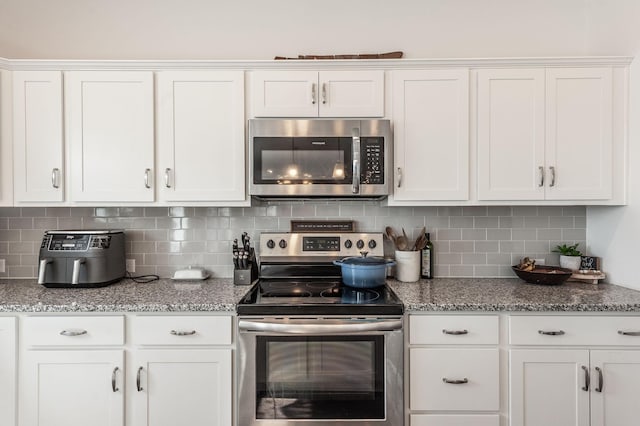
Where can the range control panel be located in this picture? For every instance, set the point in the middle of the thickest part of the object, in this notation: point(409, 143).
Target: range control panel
point(320, 244)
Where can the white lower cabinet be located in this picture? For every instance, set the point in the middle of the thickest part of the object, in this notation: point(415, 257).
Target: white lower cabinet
point(455, 420)
point(8, 371)
point(567, 377)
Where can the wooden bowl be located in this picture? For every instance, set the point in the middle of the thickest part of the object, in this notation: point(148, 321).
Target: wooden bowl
point(547, 275)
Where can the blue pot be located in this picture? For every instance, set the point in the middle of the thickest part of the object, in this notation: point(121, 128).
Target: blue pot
point(364, 272)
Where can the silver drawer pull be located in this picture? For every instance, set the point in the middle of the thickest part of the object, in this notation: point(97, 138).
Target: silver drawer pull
point(455, 332)
point(551, 333)
point(628, 333)
point(455, 381)
point(600, 380)
point(138, 381)
point(587, 379)
point(73, 333)
point(182, 333)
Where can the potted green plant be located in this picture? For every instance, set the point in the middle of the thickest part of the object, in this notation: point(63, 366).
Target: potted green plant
point(570, 256)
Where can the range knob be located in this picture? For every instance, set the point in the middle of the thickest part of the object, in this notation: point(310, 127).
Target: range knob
point(271, 244)
point(360, 244)
point(348, 244)
point(372, 244)
point(282, 244)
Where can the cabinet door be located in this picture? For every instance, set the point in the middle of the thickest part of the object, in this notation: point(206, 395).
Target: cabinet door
point(579, 137)
point(284, 94)
point(201, 136)
point(511, 134)
point(37, 136)
point(182, 387)
point(351, 94)
point(8, 371)
point(546, 387)
point(72, 388)
point(615, 387)
point(431, 134)
point(110, 131)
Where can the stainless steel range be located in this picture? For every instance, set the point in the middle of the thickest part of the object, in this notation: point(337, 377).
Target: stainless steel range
point(312, 351)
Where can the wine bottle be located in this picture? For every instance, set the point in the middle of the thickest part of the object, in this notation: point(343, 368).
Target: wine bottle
point(426, 268)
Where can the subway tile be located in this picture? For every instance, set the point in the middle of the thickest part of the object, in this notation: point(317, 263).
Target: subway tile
point(156, 211)
point(255, 211)
point(449, 234)
point(441, 271)
point(401, 211)
point(462, 246)
point(574, 234)
point(536, 221)
point(488, 271)
point(550, 210)
point(425, 211)
point(474, 211)
point(29, 259)
point(33, 212)
point(143, 247)
point(486, 246)
point(4, 223)
point(329, 210)
point(168, 247)
point(449, 211)
point(511, 222)
point(498, 259)
point(461, 222)
point(167, 222)
point(524, 211)
point(302, 210)
point(156, 235)
point(368, 224)
point(449, 258)
point(486, 222)
point(474, 234)
point(511, 246)
point(499, 211)
point(4, 247)
point(21, 271)
point(217, 222)
point(243, 223)
point(548, 234)
point(34, 235)
point(350, 210)
point(192, 223)
point(266, 223)
point(81, 212)
point(474, 259)
point(193, 246)
point(9, 235)
point(574, 211)
point(9, 212)
point(131, 211)
point(580, 221)
point(94, 222)
point(281, 210)
point(462, 271)
point(105, 212)
point(437, 222)
point(499, 234)
point(157, 259)
point(533, 247)
point(524, 234)
point(45, 223)
point(21, 223)
point(206, 211)
point(561, 221)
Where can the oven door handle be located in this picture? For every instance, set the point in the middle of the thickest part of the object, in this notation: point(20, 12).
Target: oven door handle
point(310, 327)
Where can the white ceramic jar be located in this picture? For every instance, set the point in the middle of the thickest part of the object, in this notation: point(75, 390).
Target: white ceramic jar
point(408, 266)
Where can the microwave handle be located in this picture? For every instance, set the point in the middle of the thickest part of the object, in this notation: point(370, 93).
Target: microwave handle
point(355, 137)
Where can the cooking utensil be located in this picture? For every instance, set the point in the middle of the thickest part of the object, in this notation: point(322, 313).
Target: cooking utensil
point(388, 231)
point(364, 272)
point(402, 243)
point(420, 240)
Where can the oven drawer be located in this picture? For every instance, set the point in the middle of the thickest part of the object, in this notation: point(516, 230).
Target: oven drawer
point(454, 379)
point(455, 420)
point(181, 330)
point(574, 330)
point(73, 330)
point(453, 329)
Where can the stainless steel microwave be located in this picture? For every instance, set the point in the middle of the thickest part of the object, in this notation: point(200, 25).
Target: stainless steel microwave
point(295, 158)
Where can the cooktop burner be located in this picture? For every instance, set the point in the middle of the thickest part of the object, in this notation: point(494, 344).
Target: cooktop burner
point(317, 297)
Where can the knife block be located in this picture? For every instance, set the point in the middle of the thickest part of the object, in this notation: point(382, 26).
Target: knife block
point(245, 276)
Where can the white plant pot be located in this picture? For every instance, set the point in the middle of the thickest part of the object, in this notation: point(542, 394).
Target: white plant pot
point(570, 262)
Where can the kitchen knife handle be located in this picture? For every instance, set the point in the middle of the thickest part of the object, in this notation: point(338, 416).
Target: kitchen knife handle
point(147, 172)
point(455, 381)
point(114, 387)
point(324, 93)
point(553, 176)
point(399, 173)
point(587, 379)
point(313, 93)
point(541, 170)
point(167, 171)
point(138, 384)
point(600, 380)
point(55, 178)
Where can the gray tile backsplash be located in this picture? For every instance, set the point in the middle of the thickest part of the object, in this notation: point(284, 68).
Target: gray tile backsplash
point(469, 241)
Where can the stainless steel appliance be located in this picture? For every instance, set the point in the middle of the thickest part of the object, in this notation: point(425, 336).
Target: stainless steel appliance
point(320, 158)
point(75, 258)
point(312, 351)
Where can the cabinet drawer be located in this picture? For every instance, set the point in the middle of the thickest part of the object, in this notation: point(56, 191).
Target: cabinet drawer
point(455, 420)
point(453, 329)
point(182, 330)
point(454, 379)
point(73, 331)
point(574, 330)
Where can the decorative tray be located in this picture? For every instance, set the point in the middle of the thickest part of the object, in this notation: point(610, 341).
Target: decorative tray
point(547, 275)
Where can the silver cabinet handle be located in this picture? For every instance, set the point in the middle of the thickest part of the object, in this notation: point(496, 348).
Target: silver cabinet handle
point(455, 381)
point(324, 93)
point(600, 380)
point(587, 379)
point(553, 176)
point(166, 177)
point(114, 388)
point(313, 93)
point(182, 333)
point(551, 332)
point(355, 138)
point(628, 333)
point(138, 384)
point(399, 173)
point(455, 332)
point(55, 178)
point(73, 333)
point(541, 170)
point(147, 172)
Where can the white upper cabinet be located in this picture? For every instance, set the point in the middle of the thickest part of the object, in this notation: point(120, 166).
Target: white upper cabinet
point(431, 135)
point(201, 136)
point(110, 124)
point(545, 134)
point(318, 94)
point(38, 152)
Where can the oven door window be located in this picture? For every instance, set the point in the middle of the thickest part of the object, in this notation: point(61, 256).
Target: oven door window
point(320, 377)
point(286, 161)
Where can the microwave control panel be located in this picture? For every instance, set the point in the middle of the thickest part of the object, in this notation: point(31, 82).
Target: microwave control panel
point(372, 154)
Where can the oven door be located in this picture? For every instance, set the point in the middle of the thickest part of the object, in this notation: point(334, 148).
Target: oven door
point(310, 371)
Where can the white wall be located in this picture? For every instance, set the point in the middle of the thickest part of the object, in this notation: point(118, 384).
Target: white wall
point(262, 29)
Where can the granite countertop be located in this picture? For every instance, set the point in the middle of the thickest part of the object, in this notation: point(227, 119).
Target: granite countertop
point(220, 295)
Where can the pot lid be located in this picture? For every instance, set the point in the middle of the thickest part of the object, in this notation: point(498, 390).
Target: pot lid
point(364, 260)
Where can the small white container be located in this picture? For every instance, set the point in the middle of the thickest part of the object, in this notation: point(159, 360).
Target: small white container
point(408, 266)
point(571, 262)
